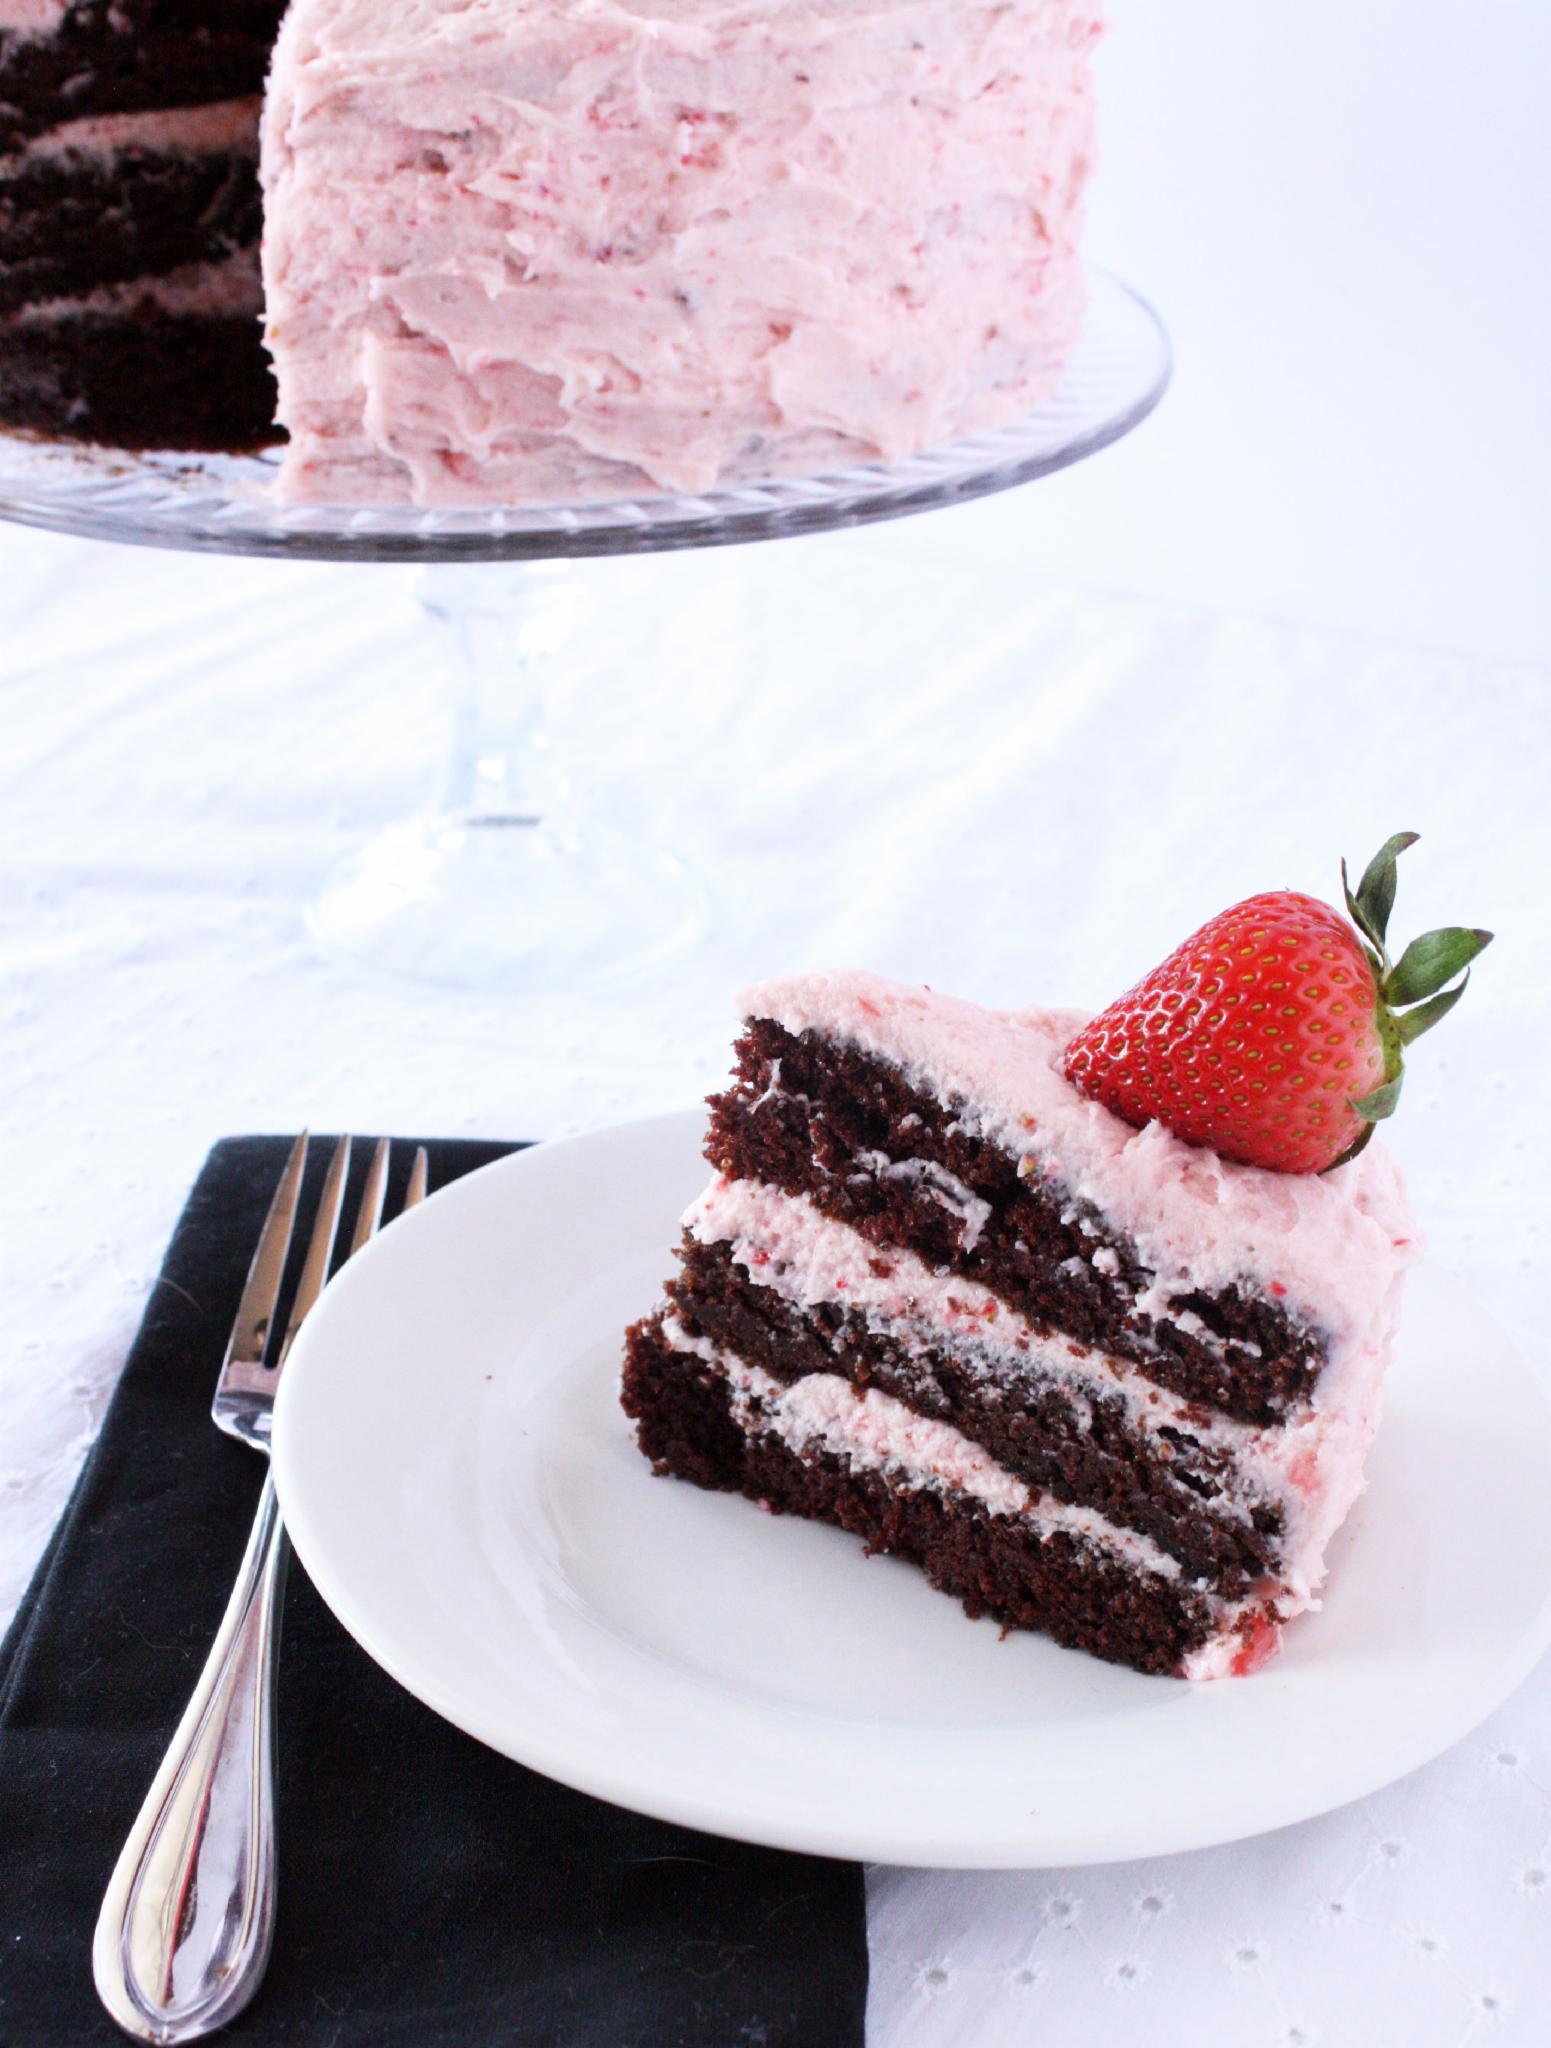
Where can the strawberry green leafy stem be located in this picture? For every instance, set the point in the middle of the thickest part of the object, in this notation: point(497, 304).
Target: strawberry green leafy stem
point(1414, 992)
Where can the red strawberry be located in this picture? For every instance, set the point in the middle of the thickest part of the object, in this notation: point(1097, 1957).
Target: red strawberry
point(1276, 1034)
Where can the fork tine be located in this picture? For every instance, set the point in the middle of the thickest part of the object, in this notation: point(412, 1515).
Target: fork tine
point(419, 1178)
point(261, 1294)
point(320, 1250)
point(369, 1215)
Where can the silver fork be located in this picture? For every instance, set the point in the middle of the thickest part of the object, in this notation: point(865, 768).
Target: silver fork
point(186, 1923)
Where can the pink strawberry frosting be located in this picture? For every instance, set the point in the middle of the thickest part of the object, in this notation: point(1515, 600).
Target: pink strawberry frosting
point(519, 250)
point(32, 17)
point(221, 126)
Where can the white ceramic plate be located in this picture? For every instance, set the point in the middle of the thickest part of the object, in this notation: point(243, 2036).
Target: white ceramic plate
point(463, 1488)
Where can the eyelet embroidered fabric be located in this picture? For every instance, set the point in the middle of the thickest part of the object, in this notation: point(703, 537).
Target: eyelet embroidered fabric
point(881, 750)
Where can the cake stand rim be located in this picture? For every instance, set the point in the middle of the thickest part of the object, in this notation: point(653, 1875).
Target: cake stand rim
point(93, 498)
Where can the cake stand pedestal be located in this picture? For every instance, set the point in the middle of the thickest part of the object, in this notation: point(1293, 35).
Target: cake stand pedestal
point(501, 882)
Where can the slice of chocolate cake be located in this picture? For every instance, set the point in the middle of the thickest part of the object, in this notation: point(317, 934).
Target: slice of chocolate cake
point(130, 217)
point(1093, 1380)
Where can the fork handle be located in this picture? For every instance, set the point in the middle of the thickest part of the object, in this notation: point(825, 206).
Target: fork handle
point(183, 1936)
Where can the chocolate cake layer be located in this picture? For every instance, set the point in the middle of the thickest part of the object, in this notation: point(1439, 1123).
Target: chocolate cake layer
point(1089, 1455)
point(124, 56)
point(73, 222)
point(139, 377)
point(997, 1565)
point(815, 1117)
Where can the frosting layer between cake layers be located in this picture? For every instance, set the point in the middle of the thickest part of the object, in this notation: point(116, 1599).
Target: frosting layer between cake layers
point(540, 252)
point(927, 1260)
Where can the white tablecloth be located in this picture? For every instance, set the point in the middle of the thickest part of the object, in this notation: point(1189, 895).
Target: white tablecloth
point(894, 749)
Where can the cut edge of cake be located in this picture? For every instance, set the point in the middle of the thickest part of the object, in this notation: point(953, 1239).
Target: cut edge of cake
point(131, 305)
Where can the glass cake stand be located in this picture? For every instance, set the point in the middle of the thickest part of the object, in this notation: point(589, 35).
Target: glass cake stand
point(500, 883)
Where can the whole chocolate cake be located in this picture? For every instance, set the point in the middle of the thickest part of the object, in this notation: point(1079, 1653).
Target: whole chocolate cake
point(522, 251)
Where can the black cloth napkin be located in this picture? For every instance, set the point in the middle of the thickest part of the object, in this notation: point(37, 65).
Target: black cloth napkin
point(432, 1893)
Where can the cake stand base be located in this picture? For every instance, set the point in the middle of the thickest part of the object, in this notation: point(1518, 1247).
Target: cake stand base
point(507, 906)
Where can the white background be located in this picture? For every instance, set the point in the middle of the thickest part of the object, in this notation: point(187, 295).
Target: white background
point(1016, 750)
